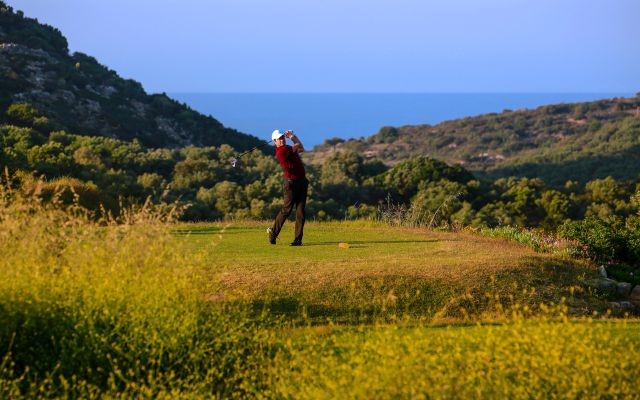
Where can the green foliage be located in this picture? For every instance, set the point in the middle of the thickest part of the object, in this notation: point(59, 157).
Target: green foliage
point(407, 175)
point(422, 191)
point(22, 114)
point(556, 207)
point(624, 273)
point(606, 198)
point(439, 200)
point(536, 240)
point(230, 199)
point(341, 176)
point(520, 196)
point(153, 184)
point(386, 134)
point(581, 141)
point(605, 240)
point(15, 145)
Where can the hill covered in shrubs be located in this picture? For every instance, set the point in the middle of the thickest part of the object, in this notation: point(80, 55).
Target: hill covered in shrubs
point(75, 93)
point(578, 141)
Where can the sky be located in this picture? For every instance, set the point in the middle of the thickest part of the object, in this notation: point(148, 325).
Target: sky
point(280, 46)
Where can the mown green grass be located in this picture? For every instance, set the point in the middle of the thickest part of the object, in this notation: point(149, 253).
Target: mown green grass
point(385, 272)
point(150, 309)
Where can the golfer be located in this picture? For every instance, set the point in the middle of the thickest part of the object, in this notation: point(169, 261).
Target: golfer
point(295, 185)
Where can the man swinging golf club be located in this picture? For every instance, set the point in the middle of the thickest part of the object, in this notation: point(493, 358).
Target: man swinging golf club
point(295, 185)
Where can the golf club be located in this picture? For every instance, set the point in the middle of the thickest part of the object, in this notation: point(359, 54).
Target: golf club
point(234, 161)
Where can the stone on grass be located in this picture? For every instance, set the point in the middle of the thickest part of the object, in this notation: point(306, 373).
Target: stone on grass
point(603, 271)
point(604, 285)
point(623, 289)
point(626, 305)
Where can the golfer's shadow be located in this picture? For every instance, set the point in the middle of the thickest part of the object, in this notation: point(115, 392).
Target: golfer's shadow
point(364, 243)
point(209, 231)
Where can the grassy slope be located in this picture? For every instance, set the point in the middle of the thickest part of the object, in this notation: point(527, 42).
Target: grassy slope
point(398, 279)
point(385, 272)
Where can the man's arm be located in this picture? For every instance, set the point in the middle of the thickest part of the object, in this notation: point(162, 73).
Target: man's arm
point(297, 144)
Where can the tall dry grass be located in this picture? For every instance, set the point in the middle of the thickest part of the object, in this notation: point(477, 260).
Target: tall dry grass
point(113, 306)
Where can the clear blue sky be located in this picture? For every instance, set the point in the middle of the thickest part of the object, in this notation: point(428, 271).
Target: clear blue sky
point(357, 45)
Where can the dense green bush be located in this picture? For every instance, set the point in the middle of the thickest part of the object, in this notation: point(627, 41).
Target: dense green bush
point(605, 240)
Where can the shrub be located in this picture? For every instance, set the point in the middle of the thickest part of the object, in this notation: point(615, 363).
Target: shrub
point(604, 240)
point(24, 114)
point(536, 240)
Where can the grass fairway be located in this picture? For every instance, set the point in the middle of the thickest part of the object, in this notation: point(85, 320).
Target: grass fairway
point(385, 271)
point(157, 310)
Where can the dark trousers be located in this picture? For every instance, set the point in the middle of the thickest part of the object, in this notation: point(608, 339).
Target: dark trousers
point(295, 195)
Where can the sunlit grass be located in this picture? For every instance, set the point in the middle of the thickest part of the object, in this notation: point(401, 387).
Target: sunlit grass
point(519, 360)
point(146, 308)
point(89, 309)
point(385, 271)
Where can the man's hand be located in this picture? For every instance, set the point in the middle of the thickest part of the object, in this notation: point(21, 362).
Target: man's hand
point(297, 144)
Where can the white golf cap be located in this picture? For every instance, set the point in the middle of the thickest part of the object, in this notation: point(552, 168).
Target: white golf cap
point(276, 134)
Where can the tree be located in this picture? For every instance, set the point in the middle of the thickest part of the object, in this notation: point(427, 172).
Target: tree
point(386, 134)
point(437, 201)
point(340, 177)
point(194, 173)
point(152, 184)
point(230, 199)
point(407, 175)
point(520, 200)
point(25, 114)
point(607, 197)
point(556, 206)
point(50, 159)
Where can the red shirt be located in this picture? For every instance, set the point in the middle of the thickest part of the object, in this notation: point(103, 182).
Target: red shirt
point(290, 162)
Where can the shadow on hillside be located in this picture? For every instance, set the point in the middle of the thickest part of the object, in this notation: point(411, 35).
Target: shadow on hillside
point(551, 277)
point(363, 300)
point(620, 165)
point(534, 281)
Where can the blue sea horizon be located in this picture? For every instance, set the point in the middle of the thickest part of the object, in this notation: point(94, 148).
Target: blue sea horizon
point(316, 117)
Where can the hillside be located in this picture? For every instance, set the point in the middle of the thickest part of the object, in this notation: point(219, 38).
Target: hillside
point(581, 141)
point(79, 95)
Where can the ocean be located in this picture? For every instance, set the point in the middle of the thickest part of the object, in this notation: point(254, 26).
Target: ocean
point(319, 116)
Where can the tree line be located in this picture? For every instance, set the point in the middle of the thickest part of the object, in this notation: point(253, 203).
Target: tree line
point(345, 185)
